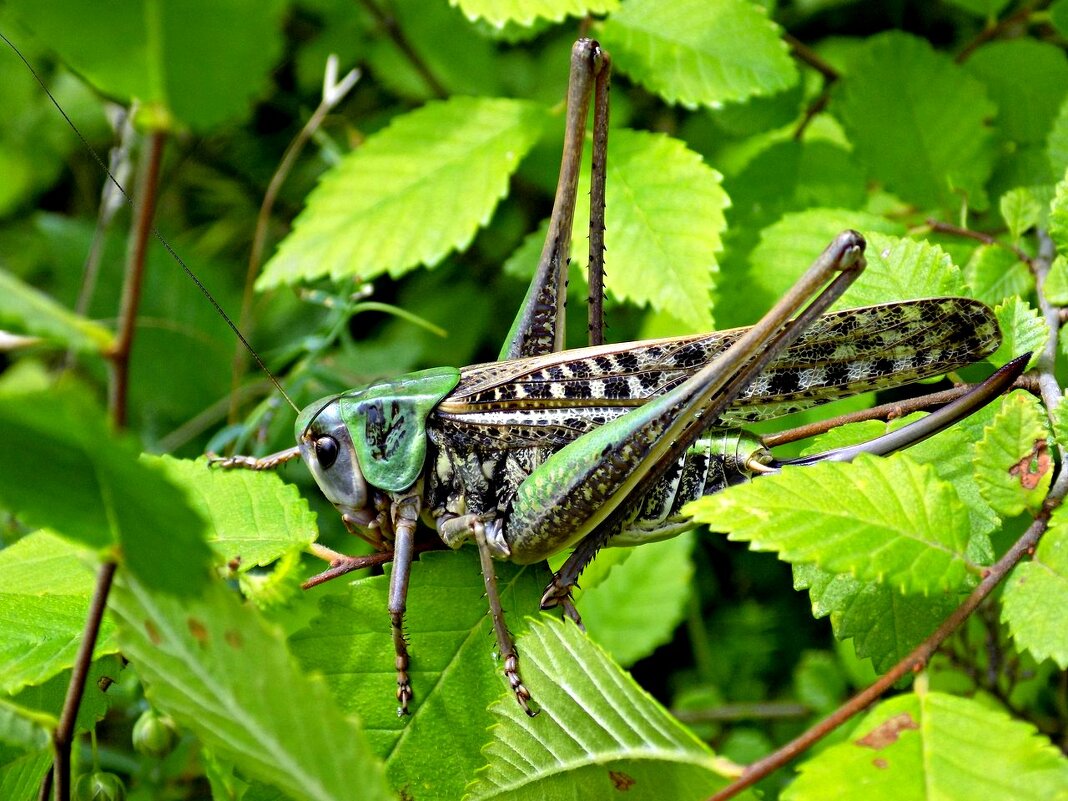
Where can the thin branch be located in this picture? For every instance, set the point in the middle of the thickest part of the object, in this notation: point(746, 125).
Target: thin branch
point(808, 56)
point(64, 734)
point(769, 710)
point(394, 32)
point(886, 411)
point(948, 228)
point(915, 661)
point(994, 31)
point(144, 209)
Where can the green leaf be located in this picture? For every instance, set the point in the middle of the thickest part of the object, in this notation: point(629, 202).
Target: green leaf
point(1021, 211)
point(253, 517)
point(1055, 287)
point(995, 273)
point(89, 486)
point(664, 222)
point(889, 520)
point(1013, 464)
point(884, 625)
point(25, 728)
point(1035, 598)
point(1057, 141)
point(1027, 80)
point(789, 246)
point(411, 194)
point(642, 600)
point(26, 310)
point(599, 735)
point(453, 670)
point(936, 746)
point(21, 773)
point(917, 121)
point(526, 12)
point(215, 665)
point(182, 57)
point(45, 589)
point(903, 269)
point(1058, 217)
point(1058, 15)
point(1022, 330)
point(699, 52)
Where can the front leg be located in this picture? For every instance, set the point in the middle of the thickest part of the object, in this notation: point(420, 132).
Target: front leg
point(455, 531)
point(405, 514)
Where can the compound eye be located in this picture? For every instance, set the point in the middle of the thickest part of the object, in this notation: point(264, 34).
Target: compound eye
point(326, 451)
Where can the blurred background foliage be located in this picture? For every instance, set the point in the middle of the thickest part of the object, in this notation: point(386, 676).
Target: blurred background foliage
point(803, 118)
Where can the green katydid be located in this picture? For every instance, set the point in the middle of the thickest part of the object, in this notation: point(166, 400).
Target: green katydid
point(549, 449)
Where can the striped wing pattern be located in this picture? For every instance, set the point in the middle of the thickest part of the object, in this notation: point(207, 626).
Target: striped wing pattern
point(547, 400)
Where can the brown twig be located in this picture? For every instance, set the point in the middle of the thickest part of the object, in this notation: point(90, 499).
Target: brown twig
point(948, 228)
point(144, 209)
point(394, 32)
point(808, 56)
point(993, 31)
point(886, 411)
point(769, 710)
point(914, 661)
point(64, 734)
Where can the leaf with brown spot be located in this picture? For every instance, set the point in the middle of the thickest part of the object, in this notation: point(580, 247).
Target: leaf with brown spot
point(882, 736)
point(1032, 467)
point(196, 628)
point(620, 780)
point(1012, 461)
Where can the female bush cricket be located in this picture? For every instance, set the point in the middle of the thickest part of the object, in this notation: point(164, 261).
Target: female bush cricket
point(550, 449)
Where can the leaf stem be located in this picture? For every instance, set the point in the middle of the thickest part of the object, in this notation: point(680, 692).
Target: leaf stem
point(887, 411)
point(64, 734)
point(941, 227)
point(144, 209)
point(394, 32)
point(993, 31)
point(915, 661)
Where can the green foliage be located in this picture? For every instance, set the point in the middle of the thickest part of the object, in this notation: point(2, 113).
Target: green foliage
point(932, 745)
point(736, 154)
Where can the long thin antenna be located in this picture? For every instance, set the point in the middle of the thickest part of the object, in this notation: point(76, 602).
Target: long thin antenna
point(155, 231)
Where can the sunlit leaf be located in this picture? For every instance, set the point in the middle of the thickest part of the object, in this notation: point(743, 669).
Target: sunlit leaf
point(1036, 597)
point(525, 12)
point(1014, 465)
point(411, 194)
point(936, 746)
point(699, 52)
point(904, 526)
point(587, 742)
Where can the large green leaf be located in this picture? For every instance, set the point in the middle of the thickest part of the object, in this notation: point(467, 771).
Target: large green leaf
point(220, 670)
point(411, 193)
point(88, 485)
point(44, 598)
point(902, 269)
point(21, 772)
point(26, 310)
point(790, 245)
point(1058, 216)
point(995, 274)
point(890, 520)
point(1027, 80)
point(917, 121)
point(453, 670)
point(935, 746)
point(664, 222)
point(699, 52)
point(182, 56)
point(1036, 597)
point(253, 518)
point(599, 735)
point(525, 12)
point(885, 625)
point(636, 607)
